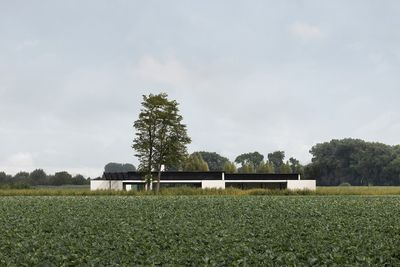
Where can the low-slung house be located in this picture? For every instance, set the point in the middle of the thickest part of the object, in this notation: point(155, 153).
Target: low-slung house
point(211, 179)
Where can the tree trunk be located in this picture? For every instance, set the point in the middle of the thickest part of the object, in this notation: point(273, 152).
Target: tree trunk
point(158, 181)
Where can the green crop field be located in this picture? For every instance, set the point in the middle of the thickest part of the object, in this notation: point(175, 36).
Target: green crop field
point(200, 230)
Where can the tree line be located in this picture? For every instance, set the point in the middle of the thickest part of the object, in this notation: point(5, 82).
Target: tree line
point(39, 177)
point(354, 161)
point(252, 162)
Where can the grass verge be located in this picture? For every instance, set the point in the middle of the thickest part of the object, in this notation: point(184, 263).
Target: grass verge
point(187, 191)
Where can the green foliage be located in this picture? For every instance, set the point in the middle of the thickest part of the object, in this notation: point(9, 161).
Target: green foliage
point(38, 177)
point(23, 180)
point(61, 178)
point(354, 161)
point(229, 167)
point(199, 231)
point(214, 161)
point(253, 158)
point(161, 137)
point(295, 166)
point(79, 180)
point(195, 163)
point(266, 167)
point(11, 186)
point(277, 158)
point(119, 167)
point(285, 168)
point(247, 168)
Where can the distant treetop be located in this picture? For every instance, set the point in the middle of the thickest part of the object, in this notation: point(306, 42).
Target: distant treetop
point(119, 167)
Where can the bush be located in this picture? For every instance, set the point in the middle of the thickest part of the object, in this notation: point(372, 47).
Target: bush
point(345, 184)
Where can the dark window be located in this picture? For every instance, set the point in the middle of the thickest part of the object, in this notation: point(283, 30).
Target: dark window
point(134, 186)
point(245, 186)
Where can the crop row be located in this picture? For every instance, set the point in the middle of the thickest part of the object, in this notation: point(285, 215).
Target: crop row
point(213, 230)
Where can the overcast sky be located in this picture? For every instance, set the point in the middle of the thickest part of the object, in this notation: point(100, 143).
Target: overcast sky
point(249, 75)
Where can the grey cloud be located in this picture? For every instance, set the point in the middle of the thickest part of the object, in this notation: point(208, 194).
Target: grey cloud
point(264, 75)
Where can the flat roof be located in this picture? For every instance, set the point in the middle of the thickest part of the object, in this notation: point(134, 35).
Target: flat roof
point(195, 175)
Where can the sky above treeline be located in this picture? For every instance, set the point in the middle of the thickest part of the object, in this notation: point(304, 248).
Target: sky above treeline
point(249, 76)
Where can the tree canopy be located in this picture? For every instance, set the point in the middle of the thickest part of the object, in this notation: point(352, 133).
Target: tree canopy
point(266, 167)
point(215, 161)
point(119, 167)
point(276, 158)
point(39, 177)
point(229, 167)
point(354, 161)
point(253, 158)
point(161, 137)
point(247, 168)
point(195, 163)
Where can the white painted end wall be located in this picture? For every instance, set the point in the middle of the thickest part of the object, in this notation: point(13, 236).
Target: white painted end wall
point(105, 185)
point(99, 185)
point(301, 185)
point(213, 184)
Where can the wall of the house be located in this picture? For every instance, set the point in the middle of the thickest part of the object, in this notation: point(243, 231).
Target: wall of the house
point(301, 185)
point(213, 184)
point(105, 185)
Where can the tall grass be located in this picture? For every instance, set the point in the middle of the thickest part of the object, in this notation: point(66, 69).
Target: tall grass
point(358, 190)
point(187, 191)
point(182, 191)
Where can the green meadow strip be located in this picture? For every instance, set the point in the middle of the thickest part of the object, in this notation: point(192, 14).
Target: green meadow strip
point(353, 190)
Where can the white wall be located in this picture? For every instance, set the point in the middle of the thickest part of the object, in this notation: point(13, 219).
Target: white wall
point(213, 184)
point(105, 185)
point(301, 185)
point(99, 185)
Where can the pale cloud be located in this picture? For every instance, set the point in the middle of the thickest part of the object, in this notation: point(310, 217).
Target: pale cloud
point(381, 125)
point(26, 44)
point(170, 71)
point(305, 31)
point(17, 162)
point(85, 171)
point(24, 161)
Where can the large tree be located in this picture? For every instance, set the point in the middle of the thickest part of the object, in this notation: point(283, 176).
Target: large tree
point(61, 178)
point(161, 137)
point(277, 158)
point(215, 161)
point(354, 161)
point(195, 162)
point(38, 177)
point(252, 158)
point(119, 167)
point(247, 168)
point(296, 166)
point(285, 168)
point(266, 167)
point(229, 167)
